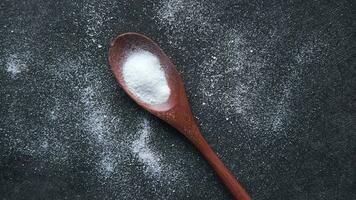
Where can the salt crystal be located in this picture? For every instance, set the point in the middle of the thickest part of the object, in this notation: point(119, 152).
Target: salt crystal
point(145, 77)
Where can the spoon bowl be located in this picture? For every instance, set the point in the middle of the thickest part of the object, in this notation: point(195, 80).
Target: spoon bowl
point(176, 110)
point(129, 42)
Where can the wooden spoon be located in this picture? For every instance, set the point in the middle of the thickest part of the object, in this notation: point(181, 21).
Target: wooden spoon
point(176, 110)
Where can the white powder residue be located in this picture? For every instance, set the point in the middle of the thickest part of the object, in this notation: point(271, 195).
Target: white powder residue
point(107, 165)
point(145, 77)
point(95, 117)
point(154, 162)
point(15, 65)
point(232, 73)
point(145, 155)
point(96, 14)
point(183, 15)
point(42, 143)
point(100, 123)
point(310, 51)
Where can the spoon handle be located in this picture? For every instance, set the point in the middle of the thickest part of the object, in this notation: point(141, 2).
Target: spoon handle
point(229, 180)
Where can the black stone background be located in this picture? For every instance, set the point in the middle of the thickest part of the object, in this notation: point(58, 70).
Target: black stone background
point(272, 84)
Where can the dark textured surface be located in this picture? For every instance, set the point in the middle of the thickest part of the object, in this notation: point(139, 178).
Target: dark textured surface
point(272, 84)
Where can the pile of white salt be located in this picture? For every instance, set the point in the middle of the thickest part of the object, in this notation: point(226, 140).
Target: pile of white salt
point(145, 78)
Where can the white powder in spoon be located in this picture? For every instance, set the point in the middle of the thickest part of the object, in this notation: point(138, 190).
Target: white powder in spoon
point(145, 77)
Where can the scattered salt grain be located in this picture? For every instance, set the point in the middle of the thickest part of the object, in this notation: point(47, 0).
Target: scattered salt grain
point(15, 65)
point(144, 153)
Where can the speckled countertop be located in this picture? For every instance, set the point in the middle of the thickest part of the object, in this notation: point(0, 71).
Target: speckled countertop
point(271, 83)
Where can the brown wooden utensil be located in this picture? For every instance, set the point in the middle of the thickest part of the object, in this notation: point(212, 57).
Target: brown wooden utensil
point(176, 111)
